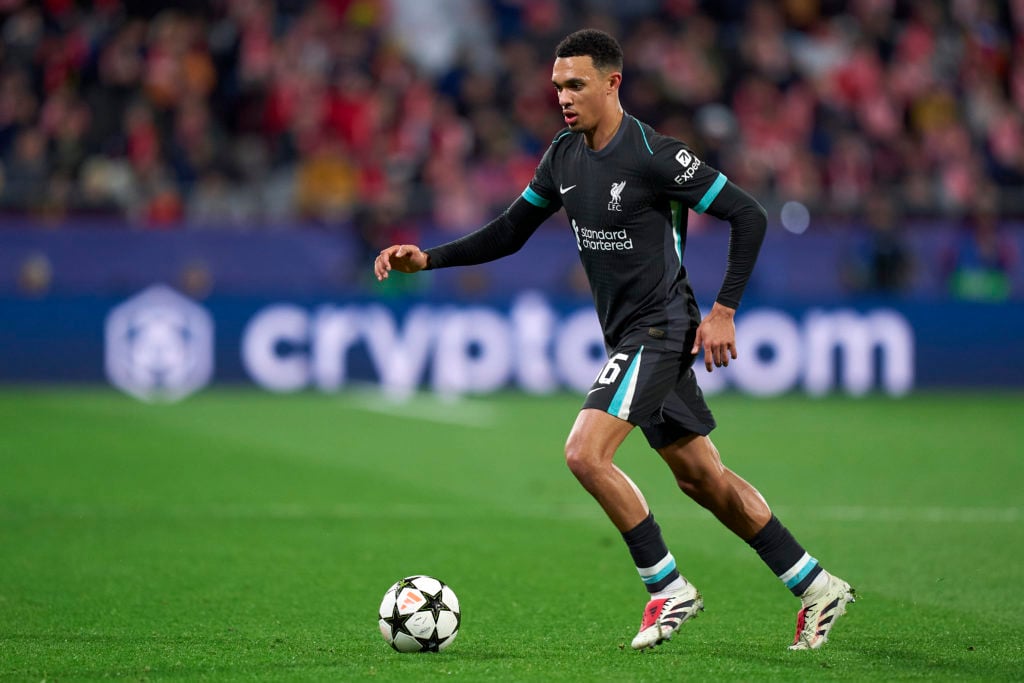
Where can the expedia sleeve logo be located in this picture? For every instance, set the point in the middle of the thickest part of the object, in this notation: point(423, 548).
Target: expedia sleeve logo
point(159, 345)
point(689, 162)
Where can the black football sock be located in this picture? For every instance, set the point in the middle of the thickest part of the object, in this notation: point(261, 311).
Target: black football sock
point(655, 563)
point(784, 556)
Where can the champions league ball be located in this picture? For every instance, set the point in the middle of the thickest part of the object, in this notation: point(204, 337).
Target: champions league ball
point(419, 614)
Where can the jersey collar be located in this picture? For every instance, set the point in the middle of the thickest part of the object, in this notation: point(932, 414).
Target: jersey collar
point(612, 144)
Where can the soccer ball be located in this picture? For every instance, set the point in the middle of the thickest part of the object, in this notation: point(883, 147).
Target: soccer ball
point(420, 614)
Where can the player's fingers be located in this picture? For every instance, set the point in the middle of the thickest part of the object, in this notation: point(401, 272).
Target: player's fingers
point(698, 340)
point(722, 352)
point(382, 264)
point(728, 350)
point(709, 356)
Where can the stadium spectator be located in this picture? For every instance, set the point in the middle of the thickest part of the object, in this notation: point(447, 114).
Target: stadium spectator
point(883, 264)
point(979, 265)
point(26, 170)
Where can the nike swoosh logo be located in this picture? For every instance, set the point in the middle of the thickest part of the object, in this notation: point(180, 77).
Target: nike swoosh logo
point(597, 389)
point(563, 190)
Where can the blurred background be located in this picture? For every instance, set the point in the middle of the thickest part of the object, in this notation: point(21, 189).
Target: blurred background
point(248, 158)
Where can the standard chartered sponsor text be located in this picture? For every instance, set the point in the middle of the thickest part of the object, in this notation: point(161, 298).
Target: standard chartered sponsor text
point(605, 240)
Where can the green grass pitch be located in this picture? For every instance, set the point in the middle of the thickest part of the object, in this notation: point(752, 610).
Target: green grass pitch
point(241, 535)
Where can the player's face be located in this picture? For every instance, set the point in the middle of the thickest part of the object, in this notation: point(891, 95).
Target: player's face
point(583, 91)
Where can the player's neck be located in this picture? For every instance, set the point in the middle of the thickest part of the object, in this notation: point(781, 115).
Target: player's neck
point(604, 131)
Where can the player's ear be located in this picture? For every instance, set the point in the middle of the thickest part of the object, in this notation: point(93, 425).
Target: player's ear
point(614, 80)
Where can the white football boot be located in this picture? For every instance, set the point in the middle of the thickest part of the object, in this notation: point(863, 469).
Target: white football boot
point(820, 610)
point(664, 616)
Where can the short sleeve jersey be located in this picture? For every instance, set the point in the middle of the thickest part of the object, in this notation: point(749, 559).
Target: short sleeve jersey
point(628, 205)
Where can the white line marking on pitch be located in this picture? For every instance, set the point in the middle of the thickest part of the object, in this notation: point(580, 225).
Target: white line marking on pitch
point(455, 410)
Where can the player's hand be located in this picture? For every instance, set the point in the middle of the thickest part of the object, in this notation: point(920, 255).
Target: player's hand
point(717, 336)
point(405, 258)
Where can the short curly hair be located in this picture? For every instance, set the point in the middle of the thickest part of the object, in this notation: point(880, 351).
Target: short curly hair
point(598, 45)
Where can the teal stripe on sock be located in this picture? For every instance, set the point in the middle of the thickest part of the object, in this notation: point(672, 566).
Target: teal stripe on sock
point(811, 564)
point(660, 575)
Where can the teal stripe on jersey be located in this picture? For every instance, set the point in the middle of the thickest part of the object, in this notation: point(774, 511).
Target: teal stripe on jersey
point(534, 198)
point(621, 402)
point(677, 235)
point(710, 195)
point(643, 134)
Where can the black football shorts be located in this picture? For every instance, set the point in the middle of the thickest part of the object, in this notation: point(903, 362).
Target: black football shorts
point(650, 382)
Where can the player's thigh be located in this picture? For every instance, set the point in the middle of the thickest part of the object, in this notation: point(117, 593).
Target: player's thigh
point(595, 436)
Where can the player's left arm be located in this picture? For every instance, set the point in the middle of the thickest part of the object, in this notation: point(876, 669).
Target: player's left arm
point(685, 178)
point(748, 223)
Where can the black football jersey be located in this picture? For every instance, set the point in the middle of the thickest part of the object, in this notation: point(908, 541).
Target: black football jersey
point(628, 205)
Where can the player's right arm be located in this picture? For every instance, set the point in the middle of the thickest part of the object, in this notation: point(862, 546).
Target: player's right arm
point(503, 236)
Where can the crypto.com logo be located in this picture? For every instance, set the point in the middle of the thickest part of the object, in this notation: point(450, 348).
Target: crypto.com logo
point(159, 345)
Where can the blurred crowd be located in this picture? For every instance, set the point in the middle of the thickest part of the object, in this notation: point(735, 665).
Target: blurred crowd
point(388, 114)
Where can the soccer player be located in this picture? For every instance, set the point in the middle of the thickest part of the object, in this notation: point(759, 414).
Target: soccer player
point(626, 190)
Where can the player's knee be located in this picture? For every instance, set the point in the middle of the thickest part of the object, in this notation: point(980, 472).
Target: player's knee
point(575, 460)
point(579, 459)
